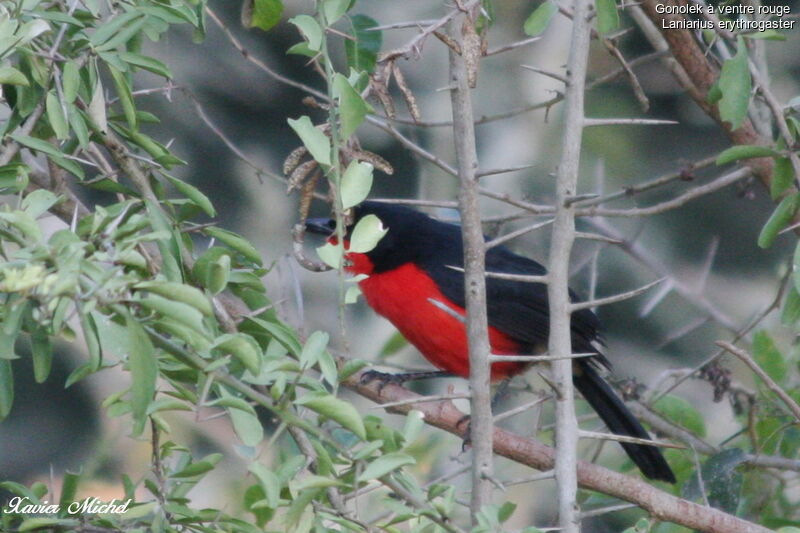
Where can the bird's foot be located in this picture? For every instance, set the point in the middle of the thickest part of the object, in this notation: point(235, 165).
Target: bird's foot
point(383, 378)
point(466, 443)
point(397, 379)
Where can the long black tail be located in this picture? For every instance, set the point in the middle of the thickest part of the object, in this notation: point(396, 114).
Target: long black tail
point(620, 421)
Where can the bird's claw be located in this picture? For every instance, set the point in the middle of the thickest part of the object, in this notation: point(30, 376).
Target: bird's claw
point(383, 378)
point(467, 436)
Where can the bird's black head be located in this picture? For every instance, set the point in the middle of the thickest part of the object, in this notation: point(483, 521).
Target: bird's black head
point(411, 237)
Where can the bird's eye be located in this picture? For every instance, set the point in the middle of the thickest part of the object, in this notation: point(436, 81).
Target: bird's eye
point(331, 224)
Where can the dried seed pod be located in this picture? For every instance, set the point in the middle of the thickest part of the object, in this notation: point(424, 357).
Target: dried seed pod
point(379, 82)
point(374, 159)
point(299, 175)
point(293, 159)
point(307, 194)
point(313, 103)
point(408, 96)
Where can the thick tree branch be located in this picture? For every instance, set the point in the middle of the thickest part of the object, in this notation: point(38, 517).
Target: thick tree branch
point(532, 453)
point(563, 236)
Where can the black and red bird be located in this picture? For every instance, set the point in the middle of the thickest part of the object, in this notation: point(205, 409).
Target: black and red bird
point(411, 275)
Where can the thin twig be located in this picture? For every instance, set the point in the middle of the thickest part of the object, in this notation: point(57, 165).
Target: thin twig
point(623, 438)
point(615, 298)
point(747, 359)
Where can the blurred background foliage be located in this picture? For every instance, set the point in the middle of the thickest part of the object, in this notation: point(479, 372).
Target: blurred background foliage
point(709, 245)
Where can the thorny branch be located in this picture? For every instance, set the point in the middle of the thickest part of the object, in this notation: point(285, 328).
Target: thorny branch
point(563, 236)
point(474, 270)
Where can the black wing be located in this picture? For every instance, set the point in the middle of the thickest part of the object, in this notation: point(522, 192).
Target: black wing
point(518, 309)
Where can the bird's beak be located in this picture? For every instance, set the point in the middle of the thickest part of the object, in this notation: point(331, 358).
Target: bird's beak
point(321, 226)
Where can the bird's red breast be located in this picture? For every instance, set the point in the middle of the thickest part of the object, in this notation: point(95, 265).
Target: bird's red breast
point(404, 296)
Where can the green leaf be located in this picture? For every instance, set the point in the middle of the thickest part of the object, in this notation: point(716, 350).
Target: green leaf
point(301, 49)
point(193, 193)
point(41, 354)
point(13, 178)
point(6, 388)
point(335, 409)
point(36, 144)
point(179, 292)
point(244, 419)
point(782, 177)
point(335, 9)
point(107, 30)
point(736, 85)
point(769, 357)
point(351, 367)
point(791, 307)
point(328, 368)
point(11, 76)
point(78, 125)
point(315, 482)
point(178, 311)
point(744, 151)
point(780, 218)
point(236, 243)
point(362, 51)
point(539, 19)
point(69, 488)
point(607, 16)
point(682, 413)
point(356, 183)
point(317, 143)
point(313, 348)
point(70, 166)
point(97, 108)
point(56, 116)
point(330, 254)
point(147, 63)
point(206, 464)
point(125, 97)
point(92, 338)
point(281, 333)
point(219, 272)
point(352, 294)
point(262, 14)
point(244, 348)
point(269, 481)
point(415, 420)
point(38, 202)
point(70, 81)
point(31, 30)
point(144, 372)
point(365, 236)
point(227, 400)
point(352, 108)
point(310, 29)
point(385, 464)
point(123, 36)
point(505, 511)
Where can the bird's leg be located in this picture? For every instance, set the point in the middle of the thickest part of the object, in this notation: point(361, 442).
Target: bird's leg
point(398, 379)
point(500, 392)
